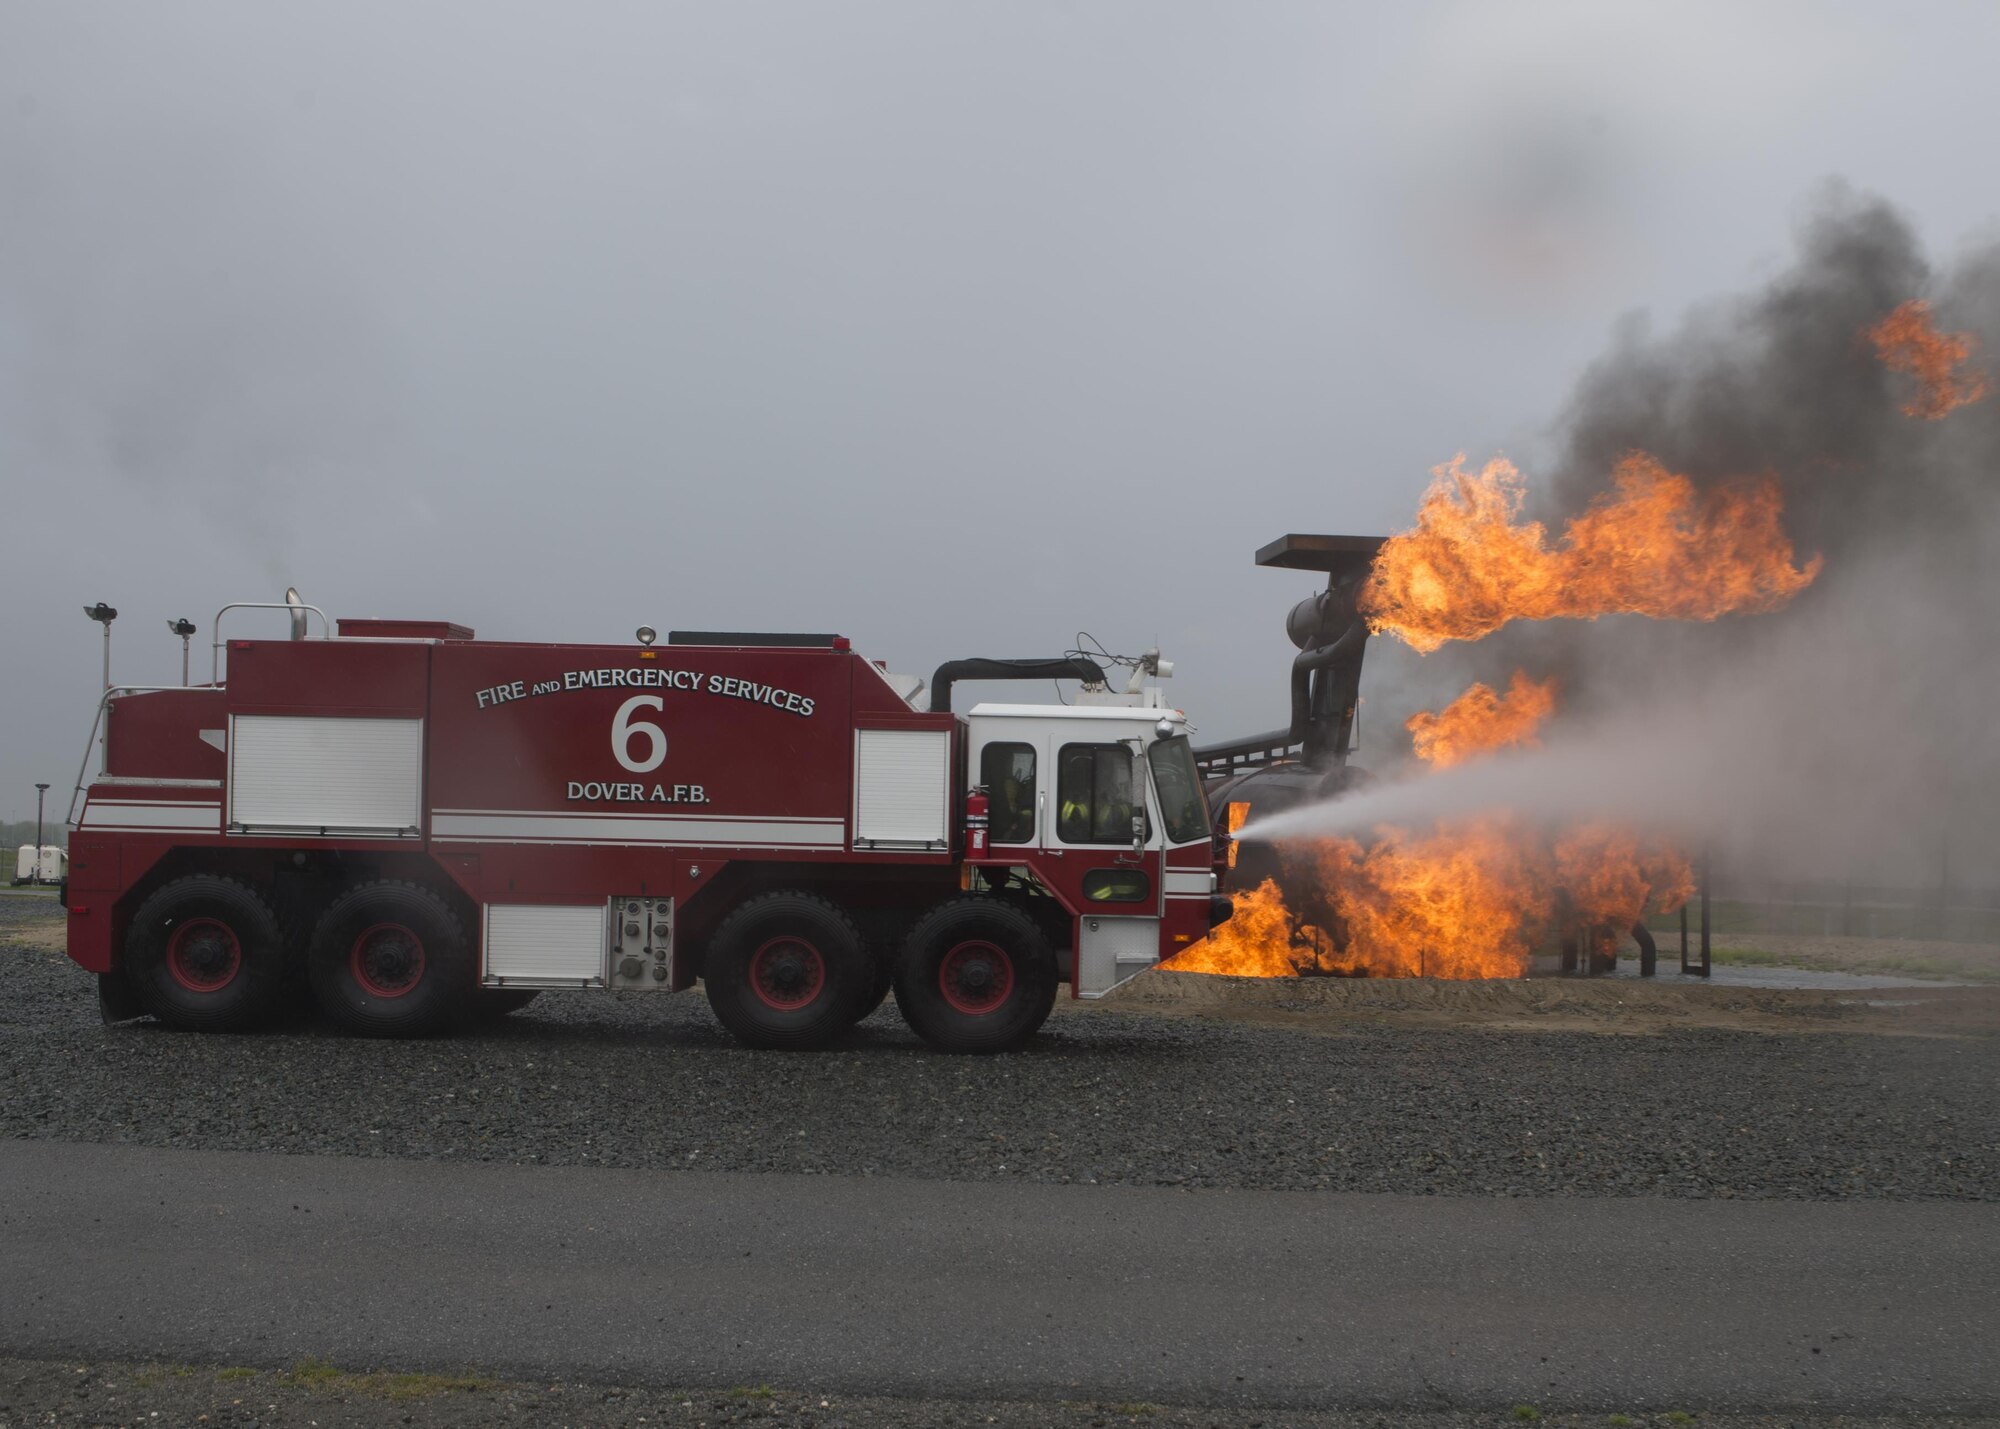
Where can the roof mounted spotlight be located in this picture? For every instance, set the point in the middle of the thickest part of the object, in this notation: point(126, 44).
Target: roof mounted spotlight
point(646, 635)
point(185, 629)
point(104, 615)
point(1149, 663)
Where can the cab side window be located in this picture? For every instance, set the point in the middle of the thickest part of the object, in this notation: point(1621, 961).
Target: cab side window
point(1008, 772)
point(1094, 794)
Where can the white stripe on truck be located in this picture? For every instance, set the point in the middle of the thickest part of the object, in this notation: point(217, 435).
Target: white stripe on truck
point(125, 816)
point(663, 830)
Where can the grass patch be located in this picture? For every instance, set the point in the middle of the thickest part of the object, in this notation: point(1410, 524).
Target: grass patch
point(1918, 965)
point(1137, 1409)
point(1526, 1413)
point(1619, 1421)
point(154, 1375)
point(1680, 1416)
point(311, 1372)
point(1898, 964)
point(236, 1371)
point(420, 1386)
point(1913, 913)
point(318, 1374)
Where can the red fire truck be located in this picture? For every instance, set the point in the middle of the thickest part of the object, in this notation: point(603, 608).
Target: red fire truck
point(420, 828)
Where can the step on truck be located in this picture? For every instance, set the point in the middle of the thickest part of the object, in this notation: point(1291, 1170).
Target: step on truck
point(418, 829)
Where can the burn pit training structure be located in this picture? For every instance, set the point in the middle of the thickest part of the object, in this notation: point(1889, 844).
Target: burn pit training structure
point(1307, 760)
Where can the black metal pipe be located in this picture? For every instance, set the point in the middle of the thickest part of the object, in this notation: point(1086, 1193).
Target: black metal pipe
point(1706, 964)
point(1649, 951)
point(1310, 660)
point(1070, 667)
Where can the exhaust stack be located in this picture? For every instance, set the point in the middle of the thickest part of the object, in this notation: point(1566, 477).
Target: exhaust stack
point(1069, 667)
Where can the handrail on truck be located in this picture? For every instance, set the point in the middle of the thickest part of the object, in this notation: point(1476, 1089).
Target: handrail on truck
point(215, 635)
point(104, 703)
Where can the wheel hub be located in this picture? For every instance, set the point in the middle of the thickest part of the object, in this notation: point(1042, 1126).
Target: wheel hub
point(388, 960)
point(976, 978)
point(203, 955)
point(787, 973)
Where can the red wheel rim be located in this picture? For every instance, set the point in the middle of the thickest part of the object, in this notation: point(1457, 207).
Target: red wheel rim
point(787, 974)
point(387, 960)
point(203, 955)
point(976, 977)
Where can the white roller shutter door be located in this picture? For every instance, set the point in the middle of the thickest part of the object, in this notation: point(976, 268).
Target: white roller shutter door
point(545, 945)
point(902, 788)
point(310, 772)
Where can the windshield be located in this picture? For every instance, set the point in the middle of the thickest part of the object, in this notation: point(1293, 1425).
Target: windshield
point(1182, 806)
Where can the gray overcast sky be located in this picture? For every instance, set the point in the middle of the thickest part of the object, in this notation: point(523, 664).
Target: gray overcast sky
point(955, 328)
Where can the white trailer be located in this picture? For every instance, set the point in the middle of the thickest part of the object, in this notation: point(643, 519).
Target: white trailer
point(45, 865)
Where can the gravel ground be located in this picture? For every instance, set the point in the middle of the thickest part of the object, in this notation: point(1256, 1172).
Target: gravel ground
point(1101, 1096)
point(67, 1392)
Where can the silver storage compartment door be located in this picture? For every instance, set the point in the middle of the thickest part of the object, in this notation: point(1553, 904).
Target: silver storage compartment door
point(544, 945)
point(310, 772)
point(902, 787)
point(1110, 950)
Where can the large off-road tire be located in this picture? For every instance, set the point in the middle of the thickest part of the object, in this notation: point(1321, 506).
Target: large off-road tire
point(883, 979)
point(787, 970)
point(207, 954)
point(883, 935)
point(391, 959)
point(976, 975)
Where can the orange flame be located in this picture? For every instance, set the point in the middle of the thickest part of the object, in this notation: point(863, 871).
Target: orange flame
point(1473, 898)
point(1653, 546)
point(1257, 941)
point(1480, 721)
point(1468, 900)
point(1612, 877)
point(1908, 341)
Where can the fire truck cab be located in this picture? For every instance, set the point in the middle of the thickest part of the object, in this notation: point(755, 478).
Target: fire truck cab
point(417, 829)
point(1099, 806)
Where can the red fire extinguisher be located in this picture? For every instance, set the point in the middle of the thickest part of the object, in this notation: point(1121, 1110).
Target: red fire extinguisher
point(975, 822)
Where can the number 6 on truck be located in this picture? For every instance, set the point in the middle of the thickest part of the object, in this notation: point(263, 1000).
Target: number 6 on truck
point(623, 727)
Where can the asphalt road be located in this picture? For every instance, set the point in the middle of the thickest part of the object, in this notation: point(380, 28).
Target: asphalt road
point(865, 1285)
